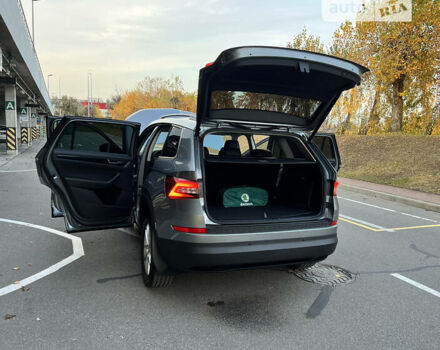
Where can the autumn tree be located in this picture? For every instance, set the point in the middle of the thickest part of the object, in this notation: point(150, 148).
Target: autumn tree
point(403, 58)
point(306, 41)
point(154, 93)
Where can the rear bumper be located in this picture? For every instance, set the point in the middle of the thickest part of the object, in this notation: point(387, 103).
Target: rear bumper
point(235, 251)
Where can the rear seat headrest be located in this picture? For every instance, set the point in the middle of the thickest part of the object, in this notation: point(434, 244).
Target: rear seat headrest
point(230, 149)
point(206, 151)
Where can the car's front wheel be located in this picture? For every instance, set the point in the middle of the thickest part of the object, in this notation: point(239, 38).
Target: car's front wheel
point(152, 278)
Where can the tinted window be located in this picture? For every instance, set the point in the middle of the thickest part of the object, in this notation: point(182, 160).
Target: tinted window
point(261, 141)
point(172, 143)
point(296, 106)
point(159, 142)
point(214, 143)
point(325, 145)
point(65, 140)
point(244, 143)
point(146, 138)
point(96, 137)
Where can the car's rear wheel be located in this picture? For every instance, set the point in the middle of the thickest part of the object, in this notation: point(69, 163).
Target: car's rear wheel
point(152, 278)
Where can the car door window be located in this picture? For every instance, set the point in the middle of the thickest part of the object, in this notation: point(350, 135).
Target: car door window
point(213, 143)
point(325, 145)
point(159, 141)
point(244, 144)
point(96, 137)
point(172, 143)
point(261, 141)
point(146, 140)
point(329, 147)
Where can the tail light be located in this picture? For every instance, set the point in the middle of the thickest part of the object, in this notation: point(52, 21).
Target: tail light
point(335, 188)
point(181, 188)
point(189, 229)
point(334, 223)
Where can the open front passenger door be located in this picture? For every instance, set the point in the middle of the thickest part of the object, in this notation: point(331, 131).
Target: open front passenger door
point(90, 165)
point(327, 144)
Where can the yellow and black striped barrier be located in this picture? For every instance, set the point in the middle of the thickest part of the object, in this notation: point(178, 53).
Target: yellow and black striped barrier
point(34, 133)
point(24, 135)
point(11, 139)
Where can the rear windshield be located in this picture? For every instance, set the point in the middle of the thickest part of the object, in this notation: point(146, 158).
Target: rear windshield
point(248, 145)
point(296, 106)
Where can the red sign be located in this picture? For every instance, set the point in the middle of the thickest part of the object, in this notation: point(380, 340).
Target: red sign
point(100, 105)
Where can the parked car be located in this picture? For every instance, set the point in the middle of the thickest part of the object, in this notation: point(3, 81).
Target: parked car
point(253, 139)
point(2, 133)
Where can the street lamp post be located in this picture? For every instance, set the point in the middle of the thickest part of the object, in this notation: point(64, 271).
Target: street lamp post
point(48, 84)
point(33, 30)
point(89, 92)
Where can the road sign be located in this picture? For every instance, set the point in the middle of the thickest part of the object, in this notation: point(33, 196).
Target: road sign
point(33, 115)
point(38, 120)
point(10, 105)
point(23, 111)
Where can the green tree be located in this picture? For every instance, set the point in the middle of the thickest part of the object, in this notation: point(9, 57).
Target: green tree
point(67, 105)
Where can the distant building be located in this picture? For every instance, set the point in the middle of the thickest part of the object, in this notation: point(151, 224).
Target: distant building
point(101, 105)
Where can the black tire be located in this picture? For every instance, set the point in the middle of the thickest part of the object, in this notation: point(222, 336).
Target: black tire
point(152, 278)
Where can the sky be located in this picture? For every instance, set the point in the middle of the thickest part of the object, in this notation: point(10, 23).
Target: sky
point(121, 41)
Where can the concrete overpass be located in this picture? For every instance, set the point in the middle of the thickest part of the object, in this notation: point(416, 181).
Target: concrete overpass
point(24, 99)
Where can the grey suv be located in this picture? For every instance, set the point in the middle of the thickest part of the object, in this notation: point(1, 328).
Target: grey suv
point(255, 130)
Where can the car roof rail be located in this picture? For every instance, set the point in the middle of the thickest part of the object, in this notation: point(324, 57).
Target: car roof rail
point(180, 115)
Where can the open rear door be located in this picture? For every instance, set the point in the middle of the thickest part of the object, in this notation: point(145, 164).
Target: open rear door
point(326, 142)
point(51, 124)
point(89, 164)
point(273, 86)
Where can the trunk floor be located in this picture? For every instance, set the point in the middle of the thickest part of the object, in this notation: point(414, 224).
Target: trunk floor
point(270, 211)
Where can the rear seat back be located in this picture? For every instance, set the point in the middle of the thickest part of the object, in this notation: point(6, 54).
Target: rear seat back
point(260, 153)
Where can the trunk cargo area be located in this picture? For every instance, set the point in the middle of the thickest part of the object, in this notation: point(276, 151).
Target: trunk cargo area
point(295, 189)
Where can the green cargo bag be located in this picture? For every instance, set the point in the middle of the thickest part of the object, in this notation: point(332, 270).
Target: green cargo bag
point(244, 196)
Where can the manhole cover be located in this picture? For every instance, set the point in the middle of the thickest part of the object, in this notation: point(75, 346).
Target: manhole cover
point(325, 274)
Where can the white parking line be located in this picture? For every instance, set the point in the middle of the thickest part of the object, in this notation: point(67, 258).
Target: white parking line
point(78, 251)
point(17, 171)
point(366, 223)
point(386, 209)
point(416, 284)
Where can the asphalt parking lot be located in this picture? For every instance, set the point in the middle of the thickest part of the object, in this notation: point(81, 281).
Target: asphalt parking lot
point(98, 300)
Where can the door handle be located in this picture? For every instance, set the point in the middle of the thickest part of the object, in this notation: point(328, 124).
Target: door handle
point(115, 162)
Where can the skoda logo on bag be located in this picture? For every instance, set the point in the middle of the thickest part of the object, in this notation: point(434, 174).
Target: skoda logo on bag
point(245, 197)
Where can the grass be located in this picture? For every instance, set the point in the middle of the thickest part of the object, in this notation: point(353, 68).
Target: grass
point(407, 161)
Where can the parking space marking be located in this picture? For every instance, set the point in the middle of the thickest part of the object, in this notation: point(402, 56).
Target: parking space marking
point(386, 209)
point(361, 223)
point(376, 228)
point(414, 227)
point(416, 284)
point(77, 247)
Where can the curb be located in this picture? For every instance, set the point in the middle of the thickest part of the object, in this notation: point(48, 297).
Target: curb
point(405, 200)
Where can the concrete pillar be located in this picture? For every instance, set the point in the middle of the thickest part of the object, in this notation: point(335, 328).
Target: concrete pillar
point(24, 123)
point(33, 123)
point(42, 126)
point(11, 119)
point(29, 125)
